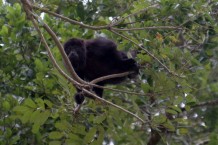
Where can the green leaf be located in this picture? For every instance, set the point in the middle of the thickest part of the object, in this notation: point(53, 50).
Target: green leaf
point(29, 102)
point(26, 116)
point(15, 139)
point(191, 100)
point(55, 135)
point(39, 65)
point(169, 126)
point(144, 57)
point(100, 138)
point(34, 116)
point(90, 135)
point(146, 87)
point(8, 133)
point(176, 109)
point(80, 129)
point(48, 103)
point(55, 143)
point(35, 128)
point(178, 100)
point(80, 10)
point(182, 131)
point(187, 108)
point(181, 120)
point(159, 119)
point(100, 118)
point(171, 111)
point(73, 137)
point(40, 103)
point(6, 105)
point(21, 109)
point(4, 30)
point(63, 125)
point(17, 7)
point(44, 116)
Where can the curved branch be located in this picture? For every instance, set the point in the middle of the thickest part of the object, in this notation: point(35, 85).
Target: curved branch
point(110, 77)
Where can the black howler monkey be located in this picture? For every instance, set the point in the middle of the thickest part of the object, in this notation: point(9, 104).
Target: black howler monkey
point(95, 58)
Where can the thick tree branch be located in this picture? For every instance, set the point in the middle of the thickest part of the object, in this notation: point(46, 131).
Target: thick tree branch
point(110, 77)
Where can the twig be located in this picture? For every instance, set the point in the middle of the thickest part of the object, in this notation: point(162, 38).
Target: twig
point(208, 103)
point(70, 20)
point(147, 28)
point(149, 53)
point(105, 26)
point(122, 91)
point(133, 14)
point(112, 104)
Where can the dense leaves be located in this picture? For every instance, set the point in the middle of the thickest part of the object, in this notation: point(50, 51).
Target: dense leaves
point(36, 102)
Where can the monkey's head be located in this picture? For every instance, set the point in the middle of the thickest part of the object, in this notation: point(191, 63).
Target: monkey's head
point(73, 44)
point(76, 51)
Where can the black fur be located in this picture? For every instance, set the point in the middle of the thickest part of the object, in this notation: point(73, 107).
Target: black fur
point(95, 58)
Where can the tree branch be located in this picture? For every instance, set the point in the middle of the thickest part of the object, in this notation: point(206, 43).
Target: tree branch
point(133, 14)
point(114, 105)
point(208, 103)
point(110, 77)
point(70, 20)
point(147, 28)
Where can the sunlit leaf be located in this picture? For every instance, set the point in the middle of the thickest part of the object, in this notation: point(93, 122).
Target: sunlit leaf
point(30, 103)
point(90, 135)
point(100, 118)
point(182, 131)
point(55, 135)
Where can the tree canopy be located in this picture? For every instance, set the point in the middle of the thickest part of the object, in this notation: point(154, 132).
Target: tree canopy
point(172, 101)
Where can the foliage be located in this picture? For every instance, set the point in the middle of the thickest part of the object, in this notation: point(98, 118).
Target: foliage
point(36, 102)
